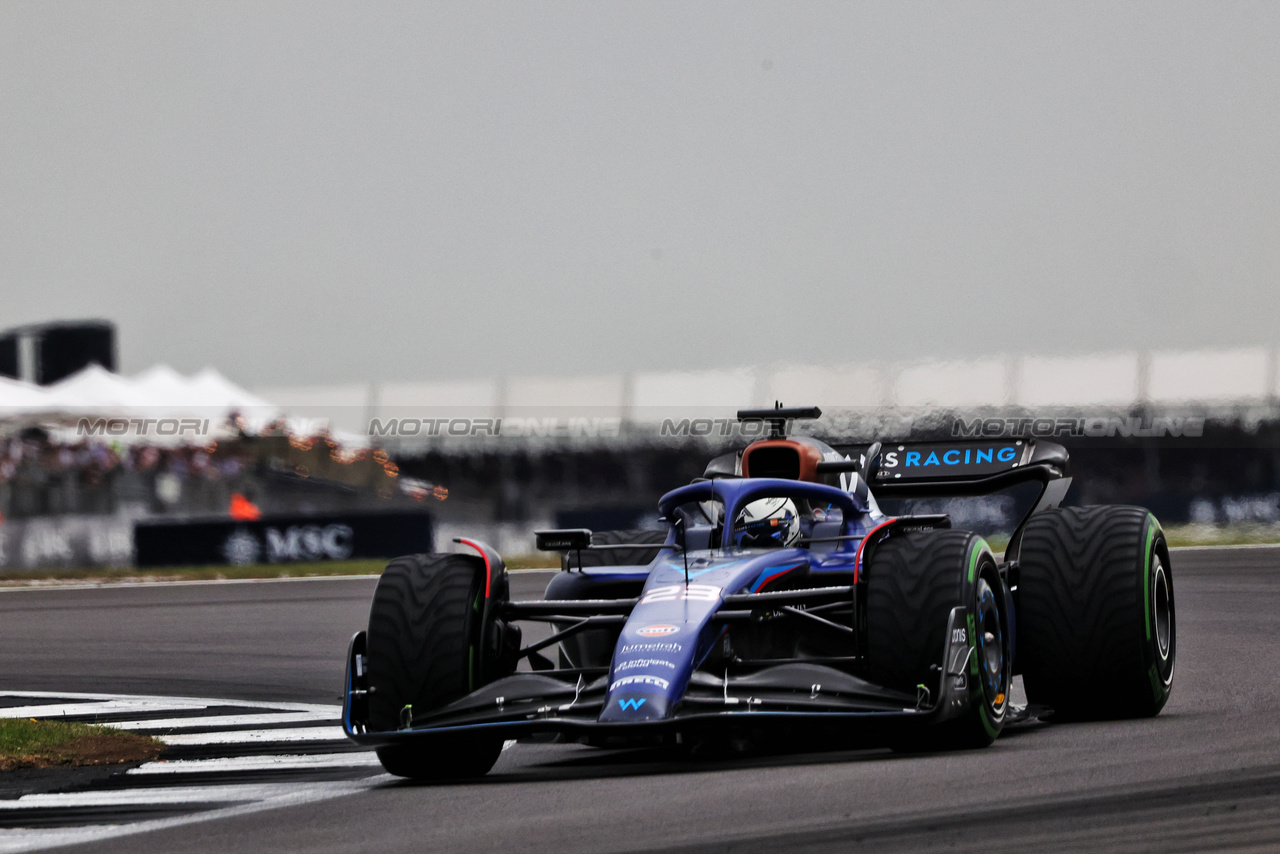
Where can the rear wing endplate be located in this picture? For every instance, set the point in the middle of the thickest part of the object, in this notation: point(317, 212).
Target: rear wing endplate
point(973, 467)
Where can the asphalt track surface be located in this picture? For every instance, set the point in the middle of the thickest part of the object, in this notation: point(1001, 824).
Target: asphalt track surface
point(1204, 775)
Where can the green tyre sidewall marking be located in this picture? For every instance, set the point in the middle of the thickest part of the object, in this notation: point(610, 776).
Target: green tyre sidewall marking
point(979, 546)
point(992, 727)
point(1146, 574)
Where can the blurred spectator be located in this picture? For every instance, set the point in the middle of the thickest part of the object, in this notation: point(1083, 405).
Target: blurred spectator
point(43, 476)
point(278, 472)
point(244, 510)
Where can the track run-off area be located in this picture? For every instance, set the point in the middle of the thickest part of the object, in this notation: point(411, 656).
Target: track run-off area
point(243, 679)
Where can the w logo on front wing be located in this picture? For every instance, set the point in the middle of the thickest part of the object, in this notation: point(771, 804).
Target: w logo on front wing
point(631, 704)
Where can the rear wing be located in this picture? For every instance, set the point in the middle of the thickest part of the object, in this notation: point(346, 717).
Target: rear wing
point(973, 467)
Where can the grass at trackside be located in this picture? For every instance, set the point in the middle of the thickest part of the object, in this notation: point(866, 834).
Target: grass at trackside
point(26, 743)
point(1178, 535)
point(194, 573)
point(35, 577)
point(1209, 535)
point(533, 561)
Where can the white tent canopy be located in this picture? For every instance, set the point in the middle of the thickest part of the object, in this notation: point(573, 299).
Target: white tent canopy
point(20, 398)
point(159, 392)
point(95, 391)
point(163, 387)
point(210, 384)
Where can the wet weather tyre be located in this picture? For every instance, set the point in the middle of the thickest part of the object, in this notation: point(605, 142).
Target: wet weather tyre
point(913, 583)
point(424, 627)
point(1097, 630)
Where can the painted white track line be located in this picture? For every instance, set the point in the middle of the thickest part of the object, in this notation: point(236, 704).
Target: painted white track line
point(195, 789)
point(265, 736)
point(153, 796)
point(200, 702)
point(258, 763)
point(18, 840)
point(60, 710)
point(223, 721)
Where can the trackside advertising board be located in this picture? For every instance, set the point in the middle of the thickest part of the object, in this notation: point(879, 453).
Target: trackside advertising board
point(943, 460)
point(282, 539)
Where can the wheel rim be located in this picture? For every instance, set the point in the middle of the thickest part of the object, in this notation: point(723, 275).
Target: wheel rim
point(990, 646)
point(1161, 609)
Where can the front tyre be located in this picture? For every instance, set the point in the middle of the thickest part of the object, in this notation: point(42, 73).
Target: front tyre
point(458, 758)
point(913, 583)
point(1097, 628)
point(424, 633)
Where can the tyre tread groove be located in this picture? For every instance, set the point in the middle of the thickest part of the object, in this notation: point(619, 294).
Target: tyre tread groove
point(1081, 618)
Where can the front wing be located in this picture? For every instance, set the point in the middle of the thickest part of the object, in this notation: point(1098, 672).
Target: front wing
point(529, 703)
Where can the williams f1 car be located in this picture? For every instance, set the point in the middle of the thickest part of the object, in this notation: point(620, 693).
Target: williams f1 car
point(778, 597)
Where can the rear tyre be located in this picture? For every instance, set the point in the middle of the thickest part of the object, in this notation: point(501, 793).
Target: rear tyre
point(424, 631)
point(1097, 630)
point(913, 582)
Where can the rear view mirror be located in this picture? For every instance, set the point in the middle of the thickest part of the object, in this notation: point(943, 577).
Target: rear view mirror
point(562, 540)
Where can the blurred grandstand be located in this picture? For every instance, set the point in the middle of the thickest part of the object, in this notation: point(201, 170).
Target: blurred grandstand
point(1193, 435)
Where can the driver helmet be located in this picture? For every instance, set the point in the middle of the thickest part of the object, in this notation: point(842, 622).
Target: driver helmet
point(767, 523)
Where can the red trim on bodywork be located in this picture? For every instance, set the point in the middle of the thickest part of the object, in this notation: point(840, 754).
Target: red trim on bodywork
point(488, 571)
point(762, 584)
point(857, 559)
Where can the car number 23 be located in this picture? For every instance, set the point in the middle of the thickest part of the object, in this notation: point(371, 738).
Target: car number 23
point(682, 593)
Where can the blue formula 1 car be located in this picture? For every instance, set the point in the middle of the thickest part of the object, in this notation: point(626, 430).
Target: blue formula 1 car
point(778, 598)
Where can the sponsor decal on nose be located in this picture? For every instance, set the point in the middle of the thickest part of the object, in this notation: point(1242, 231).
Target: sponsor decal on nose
point(658, 630)
point(651, 647)
point(655, 681)
point(637, 663)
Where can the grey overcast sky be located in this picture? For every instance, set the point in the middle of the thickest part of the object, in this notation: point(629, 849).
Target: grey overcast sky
point(306, 192)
